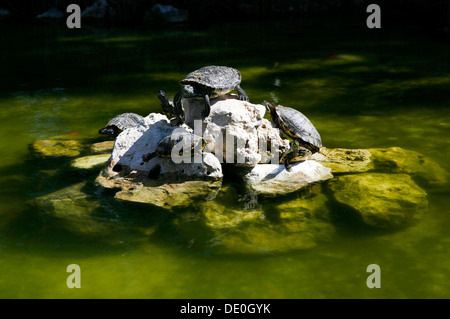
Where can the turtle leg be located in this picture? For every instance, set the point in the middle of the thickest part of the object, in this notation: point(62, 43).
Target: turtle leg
point(177, 107)
point(148, 156)
point(241, 93)
point(287, 160)
point(162, 96)
point(207, 109)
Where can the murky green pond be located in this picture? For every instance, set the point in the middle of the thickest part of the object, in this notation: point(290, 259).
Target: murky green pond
point(361, 89)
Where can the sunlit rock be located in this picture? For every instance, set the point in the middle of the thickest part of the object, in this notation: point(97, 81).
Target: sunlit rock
point(133, 143)
point(342, 160)
point(382, 200)
point(58, 148)
point(239, 134)
point(166, 194)
point(89, 162)
point(102, 147)
point(399, 160)
point(274, 179)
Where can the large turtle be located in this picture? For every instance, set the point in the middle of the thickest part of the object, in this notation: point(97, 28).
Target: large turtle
point(208, 82)
point(121, 122)
point(165, 146)
point(298, 127)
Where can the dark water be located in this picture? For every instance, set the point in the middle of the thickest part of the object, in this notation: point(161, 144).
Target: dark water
point(360, 88)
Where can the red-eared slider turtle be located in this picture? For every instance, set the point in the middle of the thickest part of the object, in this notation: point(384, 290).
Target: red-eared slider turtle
point(169, 109)
point(295, 154)
point(297, 126)
point(209, 82)
point(121, 122)
point(164, 148)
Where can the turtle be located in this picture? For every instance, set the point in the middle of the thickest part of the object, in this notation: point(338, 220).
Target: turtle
point(297, 126)
point(208, 82)
point(295, 154)
point(165, 146)
point(176, 118)
point(121, 122)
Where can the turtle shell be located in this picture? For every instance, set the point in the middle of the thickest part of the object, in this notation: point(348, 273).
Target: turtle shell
point(298, 126)
point(165, 146)
point(126, 120)
point(219, 78)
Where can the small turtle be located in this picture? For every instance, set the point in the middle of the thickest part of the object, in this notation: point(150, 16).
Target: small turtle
point(121, 122)
point(165, 146)
point(208, 82)
point(169, 109)
point(295, 154)
point(297, 126)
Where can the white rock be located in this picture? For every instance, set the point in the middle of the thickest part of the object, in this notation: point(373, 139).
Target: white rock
point(209, 167)
point(239, 134)
point(133, 143)
point(274, 179)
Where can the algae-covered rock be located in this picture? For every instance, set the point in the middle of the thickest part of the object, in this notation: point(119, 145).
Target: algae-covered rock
point(166, 194)
point(274, 179)
point(301, 224)
point(92, 161)
point(342, 160)
point(80, 212)
point(58, 148)
point(217, 216)
point(75, 208)
point(399, 160)
point(102, 147)
point(382, 200)
point(295, 224)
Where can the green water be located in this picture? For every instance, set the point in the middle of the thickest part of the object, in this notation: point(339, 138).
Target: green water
point(361, 89)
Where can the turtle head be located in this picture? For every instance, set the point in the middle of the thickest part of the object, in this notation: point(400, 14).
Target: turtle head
point(188, 91)
point(270, 108)
point(109, 130)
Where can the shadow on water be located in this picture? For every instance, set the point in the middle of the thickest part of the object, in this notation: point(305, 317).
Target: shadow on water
point(154, 60)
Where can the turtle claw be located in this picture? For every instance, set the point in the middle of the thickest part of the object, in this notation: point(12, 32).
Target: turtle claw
point(244, 98)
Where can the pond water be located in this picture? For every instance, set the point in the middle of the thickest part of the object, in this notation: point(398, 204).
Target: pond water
point(361, 88)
